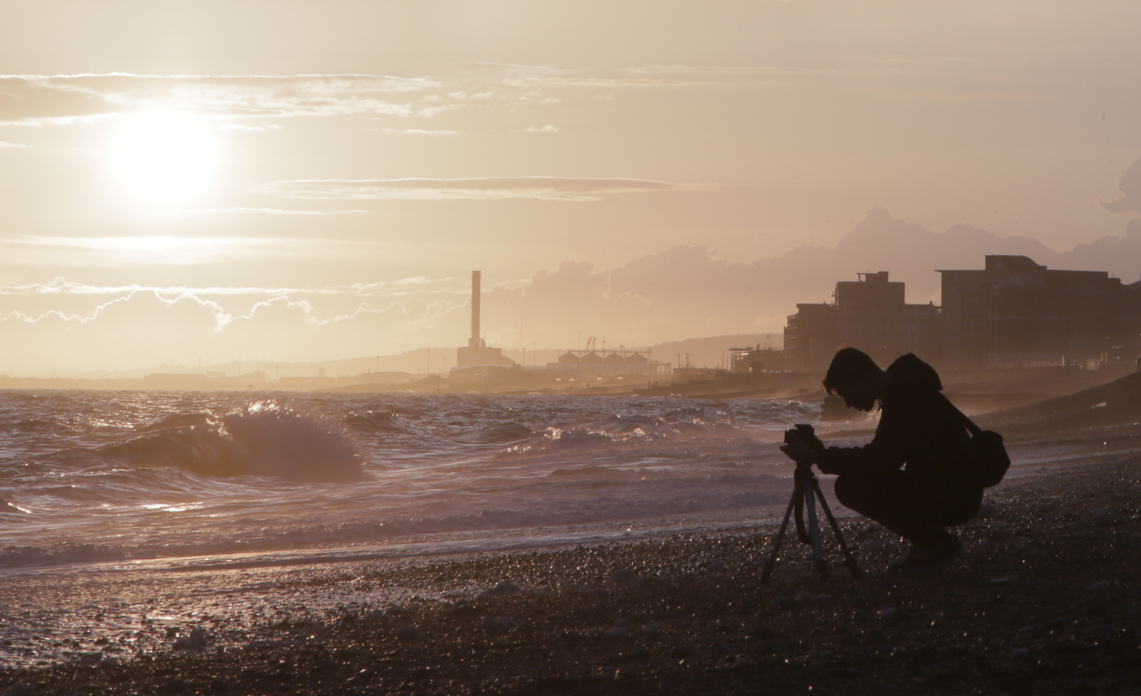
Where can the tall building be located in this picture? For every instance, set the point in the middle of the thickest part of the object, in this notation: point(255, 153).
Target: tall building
point(1017, 312)
point(477, 353)
point(870, 314)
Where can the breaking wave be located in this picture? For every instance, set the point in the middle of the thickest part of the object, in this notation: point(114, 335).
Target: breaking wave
point(263, 439)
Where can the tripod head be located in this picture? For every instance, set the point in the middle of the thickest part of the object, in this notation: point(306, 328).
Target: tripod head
point(806, 434)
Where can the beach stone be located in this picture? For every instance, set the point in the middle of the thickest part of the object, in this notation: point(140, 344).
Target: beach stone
point(1099, 586)
point(763, 632)
point(20, 690)
point(195, 641)
point(1019, 653)
point(407, 633)
point(503, 589)
point(783, 603)
point(616, 632)
point(872, 548)
point(499, 625)
point(622, 576)
point(893, 614)
point(174, 686)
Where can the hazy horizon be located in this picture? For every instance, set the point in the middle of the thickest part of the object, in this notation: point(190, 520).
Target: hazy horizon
point(315, 182)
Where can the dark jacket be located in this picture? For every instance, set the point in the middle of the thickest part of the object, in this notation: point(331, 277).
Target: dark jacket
point(918, 428)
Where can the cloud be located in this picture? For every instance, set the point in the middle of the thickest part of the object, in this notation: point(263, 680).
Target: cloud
point(1130, 186)
point(416, 286)
point(549, 128)
point(731, 72)
point(262, 211)
point(134, 327)
point(34, 99)
point(167, 250)
point(421, 131)
point(4, 144)
point(586, 82)
point(688, 291)
point(252, 128)
point(473, 189)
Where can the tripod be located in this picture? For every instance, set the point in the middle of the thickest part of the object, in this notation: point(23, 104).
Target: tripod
point(805, 492)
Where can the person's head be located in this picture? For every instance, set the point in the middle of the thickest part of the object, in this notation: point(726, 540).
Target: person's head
point(856, 378)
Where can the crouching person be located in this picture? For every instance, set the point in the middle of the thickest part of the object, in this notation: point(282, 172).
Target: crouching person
point(913, 477)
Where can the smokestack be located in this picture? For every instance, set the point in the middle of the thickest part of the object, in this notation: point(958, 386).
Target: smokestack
point(474, 343)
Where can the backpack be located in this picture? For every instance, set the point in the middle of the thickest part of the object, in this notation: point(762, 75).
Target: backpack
point(987, 454)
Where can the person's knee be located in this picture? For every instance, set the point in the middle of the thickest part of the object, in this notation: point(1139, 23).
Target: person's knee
point(852, 492)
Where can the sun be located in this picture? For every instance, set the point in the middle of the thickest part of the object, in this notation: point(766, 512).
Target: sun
point(164, 158)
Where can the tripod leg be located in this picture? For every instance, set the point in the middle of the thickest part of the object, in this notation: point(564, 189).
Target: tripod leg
point(849, 557)
point(772, 559)
point(814, 532)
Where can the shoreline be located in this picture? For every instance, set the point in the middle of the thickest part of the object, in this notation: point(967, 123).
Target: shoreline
point(1044, 600)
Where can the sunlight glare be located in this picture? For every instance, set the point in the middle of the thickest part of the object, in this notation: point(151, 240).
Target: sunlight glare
point(164, 158)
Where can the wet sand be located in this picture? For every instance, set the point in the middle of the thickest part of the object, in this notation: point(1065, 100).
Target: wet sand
point(1044, 600)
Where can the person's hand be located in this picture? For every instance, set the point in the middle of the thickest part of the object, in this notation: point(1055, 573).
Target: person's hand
point(799, 451)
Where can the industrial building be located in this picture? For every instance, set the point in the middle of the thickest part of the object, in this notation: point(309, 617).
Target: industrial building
point(477, 353)
point(590, 364)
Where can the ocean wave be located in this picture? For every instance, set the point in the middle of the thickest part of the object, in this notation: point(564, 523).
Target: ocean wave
point(263, 439)
point(146, 475)
point(377, 422)
point(496, 434)
point(597, 501)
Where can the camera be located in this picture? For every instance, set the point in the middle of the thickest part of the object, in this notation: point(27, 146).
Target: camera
point(806, 434)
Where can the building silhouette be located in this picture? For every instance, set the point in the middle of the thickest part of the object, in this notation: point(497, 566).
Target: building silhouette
point(869, 313)
point(1012, 313)
point(1016, 312)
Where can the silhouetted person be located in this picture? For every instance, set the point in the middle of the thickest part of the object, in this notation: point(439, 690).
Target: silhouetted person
point(913, 477)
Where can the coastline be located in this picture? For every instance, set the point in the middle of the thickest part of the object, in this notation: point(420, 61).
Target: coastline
point(1044, 600)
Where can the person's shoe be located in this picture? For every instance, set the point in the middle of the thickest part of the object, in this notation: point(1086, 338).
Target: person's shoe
point(929, 557)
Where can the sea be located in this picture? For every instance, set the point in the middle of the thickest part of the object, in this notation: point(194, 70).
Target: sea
point(115, 479)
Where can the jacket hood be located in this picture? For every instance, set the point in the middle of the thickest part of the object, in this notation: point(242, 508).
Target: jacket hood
point(909, 374)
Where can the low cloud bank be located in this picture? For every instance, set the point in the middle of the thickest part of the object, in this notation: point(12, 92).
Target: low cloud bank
point(678, 293)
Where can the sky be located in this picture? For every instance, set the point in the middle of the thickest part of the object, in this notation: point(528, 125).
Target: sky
point(289, 181)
